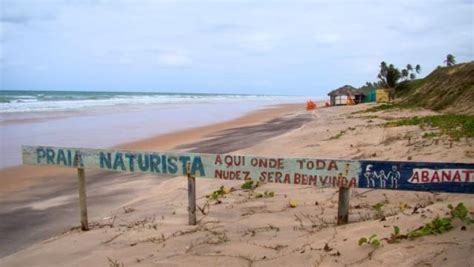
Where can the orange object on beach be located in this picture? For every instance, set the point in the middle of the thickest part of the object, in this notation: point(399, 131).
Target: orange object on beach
point(349, 100)
point(310, 105)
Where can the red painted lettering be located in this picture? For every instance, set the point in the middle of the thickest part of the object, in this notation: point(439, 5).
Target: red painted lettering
point(320, 164)
point(468, 176)
point(218, 160)
point(446, 176)
point(435, 177)
point(300, 163)
point(457, 177)
point(332, 165)
point(424, 176)
point(352, 182)
point(297, 178)
point(278, 176)
point(247, 175)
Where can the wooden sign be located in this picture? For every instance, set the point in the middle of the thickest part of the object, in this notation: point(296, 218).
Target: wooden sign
point(397, 175)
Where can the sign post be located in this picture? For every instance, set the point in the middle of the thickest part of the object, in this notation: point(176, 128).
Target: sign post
point(191, 195)
point(343, 205)
point(81, 181)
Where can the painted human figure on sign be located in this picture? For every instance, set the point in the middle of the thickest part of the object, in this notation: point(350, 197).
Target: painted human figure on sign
point(370, 175)
point(394, 176)
point(382, 179)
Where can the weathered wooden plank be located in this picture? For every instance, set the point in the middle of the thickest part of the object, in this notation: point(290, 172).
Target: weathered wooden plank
point(398, 175)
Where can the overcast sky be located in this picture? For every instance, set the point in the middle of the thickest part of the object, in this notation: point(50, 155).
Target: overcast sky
point(268, 47)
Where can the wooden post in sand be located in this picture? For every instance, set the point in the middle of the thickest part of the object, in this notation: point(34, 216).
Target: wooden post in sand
point(191, 195)
point(343, 205)
point(81, 179)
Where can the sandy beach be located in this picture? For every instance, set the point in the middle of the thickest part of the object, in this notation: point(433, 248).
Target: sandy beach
point(141, 220)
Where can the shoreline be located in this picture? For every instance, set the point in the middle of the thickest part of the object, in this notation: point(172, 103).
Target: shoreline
point(112, 126)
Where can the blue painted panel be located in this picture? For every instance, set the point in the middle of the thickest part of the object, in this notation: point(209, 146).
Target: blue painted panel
point(417, 176)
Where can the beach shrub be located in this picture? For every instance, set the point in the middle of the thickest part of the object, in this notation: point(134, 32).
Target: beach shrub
point(378, 208)
point(460, 212)
point(249, 185)
point(436, 226)
point(372, 240)
point(218, 193)
point(395, 237)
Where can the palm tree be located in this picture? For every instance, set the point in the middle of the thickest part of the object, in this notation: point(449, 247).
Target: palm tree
point(418, 68)
point(405, 73)
point(412, 76)
point(450, 60)
point(409, 67)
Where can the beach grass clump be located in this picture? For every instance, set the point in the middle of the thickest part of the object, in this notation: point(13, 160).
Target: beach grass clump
point(386, 106)
point(436, 226)
point(454, 125)
point(115, 263)
point(338, 135)
point(222, 191)
point(265, 194)
point(441, 225)
point(431, 135)
point(249, 185)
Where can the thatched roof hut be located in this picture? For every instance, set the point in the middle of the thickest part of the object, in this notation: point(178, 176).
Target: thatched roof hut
point(340, 95)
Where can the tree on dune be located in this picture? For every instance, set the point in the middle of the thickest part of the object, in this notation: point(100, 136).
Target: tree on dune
point(389, 75)
point(450, 60)
point(404, 73)
point(418, 68)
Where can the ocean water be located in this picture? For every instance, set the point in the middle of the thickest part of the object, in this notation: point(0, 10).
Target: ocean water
point(31, 101)
point(106, 119)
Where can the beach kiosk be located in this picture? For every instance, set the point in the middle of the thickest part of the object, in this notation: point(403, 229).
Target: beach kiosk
point(382, 95)
point(346, 95)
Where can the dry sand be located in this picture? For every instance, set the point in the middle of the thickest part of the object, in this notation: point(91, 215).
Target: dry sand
point(150, 228)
